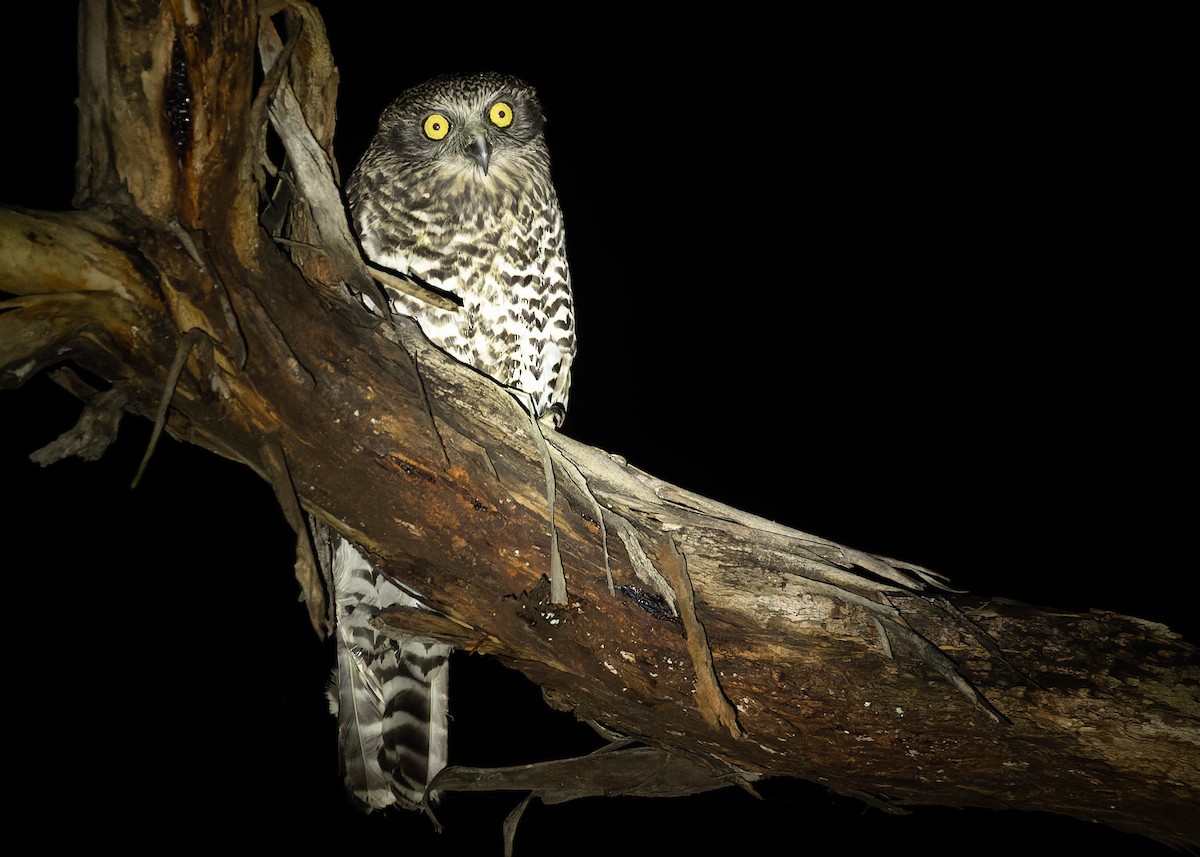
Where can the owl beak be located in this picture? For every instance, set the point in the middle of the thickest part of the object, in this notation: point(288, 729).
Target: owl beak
point(479, 150)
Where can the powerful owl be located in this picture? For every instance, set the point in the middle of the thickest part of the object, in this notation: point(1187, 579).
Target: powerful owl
point(453, 192)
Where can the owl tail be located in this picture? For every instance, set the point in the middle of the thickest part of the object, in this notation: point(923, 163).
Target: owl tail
point(390, 695)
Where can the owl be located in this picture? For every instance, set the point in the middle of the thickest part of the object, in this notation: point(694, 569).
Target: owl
point(455, 193)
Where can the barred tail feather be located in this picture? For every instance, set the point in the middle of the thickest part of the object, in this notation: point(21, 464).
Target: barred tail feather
point(414, 718)
point(360, 726)
point(391, 694)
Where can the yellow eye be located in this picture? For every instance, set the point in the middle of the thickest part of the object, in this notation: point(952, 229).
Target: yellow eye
point(436, 126)
point(501, 114)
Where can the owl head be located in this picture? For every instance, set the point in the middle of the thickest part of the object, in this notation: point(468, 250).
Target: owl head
point(476, 127)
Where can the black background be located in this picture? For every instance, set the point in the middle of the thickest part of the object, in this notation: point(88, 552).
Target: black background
point(898, 282)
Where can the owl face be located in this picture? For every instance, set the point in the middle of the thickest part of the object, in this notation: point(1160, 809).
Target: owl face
point(476, 127)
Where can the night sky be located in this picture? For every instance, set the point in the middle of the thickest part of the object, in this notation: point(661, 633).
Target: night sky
point(869, 282)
